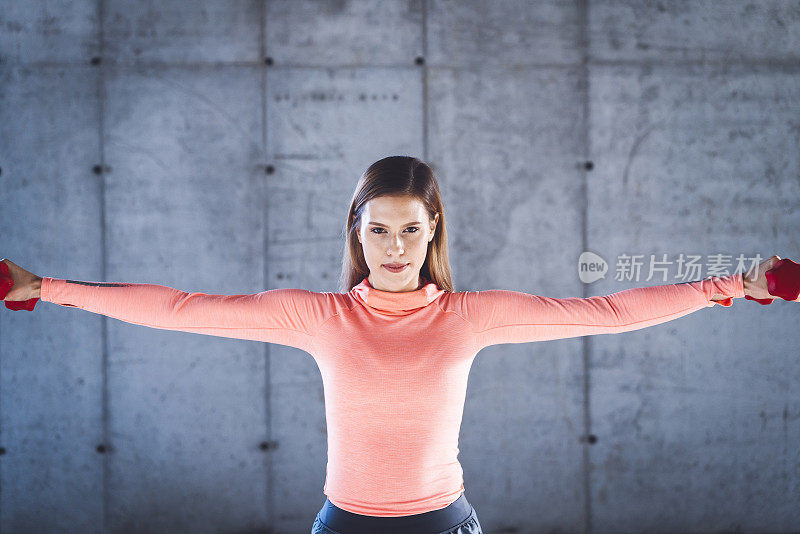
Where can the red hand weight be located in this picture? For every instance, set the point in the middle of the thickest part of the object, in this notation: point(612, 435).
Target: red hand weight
point(6, 283)
point(783, 281)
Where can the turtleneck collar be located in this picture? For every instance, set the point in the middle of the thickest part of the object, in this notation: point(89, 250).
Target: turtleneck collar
point(396, 303)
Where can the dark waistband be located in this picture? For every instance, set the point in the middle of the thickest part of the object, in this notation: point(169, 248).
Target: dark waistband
point(433, 521)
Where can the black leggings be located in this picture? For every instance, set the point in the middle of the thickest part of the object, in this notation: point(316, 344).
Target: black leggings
point(333, 518)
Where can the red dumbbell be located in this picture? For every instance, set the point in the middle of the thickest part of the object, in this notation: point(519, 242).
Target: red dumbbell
point(783, 281)
point(6, 283)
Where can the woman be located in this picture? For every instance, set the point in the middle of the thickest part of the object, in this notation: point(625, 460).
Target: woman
point(394, 346)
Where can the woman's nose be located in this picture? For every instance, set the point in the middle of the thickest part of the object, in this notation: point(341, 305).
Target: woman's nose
point(396, 243)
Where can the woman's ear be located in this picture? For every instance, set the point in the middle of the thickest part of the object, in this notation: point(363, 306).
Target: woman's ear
point(433, 226)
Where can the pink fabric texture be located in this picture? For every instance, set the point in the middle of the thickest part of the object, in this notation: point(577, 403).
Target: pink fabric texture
point(394, 366)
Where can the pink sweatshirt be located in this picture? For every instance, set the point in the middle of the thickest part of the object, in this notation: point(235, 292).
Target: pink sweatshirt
point(394, 365)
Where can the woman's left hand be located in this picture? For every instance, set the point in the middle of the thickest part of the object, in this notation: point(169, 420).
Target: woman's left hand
point(755, 281)
point(779, 278)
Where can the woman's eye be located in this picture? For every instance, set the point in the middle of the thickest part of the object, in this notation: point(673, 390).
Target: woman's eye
point(409, 228)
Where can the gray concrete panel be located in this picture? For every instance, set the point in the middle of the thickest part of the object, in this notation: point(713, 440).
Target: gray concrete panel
point(297, 474)
point(187, 419)
point(176, 32)
point(347, 117)
point(364, 32)
point(512, 32)
point(185, 208)
point(37, 31)
point(681, 159)
point(511, 184)
point(519, 442)
point(695, 418)
point(705, 30)
point(51, 359)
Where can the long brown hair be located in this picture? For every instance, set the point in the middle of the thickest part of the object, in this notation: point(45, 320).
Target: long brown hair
point(396, 175)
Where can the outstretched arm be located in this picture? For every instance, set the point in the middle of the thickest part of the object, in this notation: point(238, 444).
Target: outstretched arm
point(282, 316)
point(502, 316)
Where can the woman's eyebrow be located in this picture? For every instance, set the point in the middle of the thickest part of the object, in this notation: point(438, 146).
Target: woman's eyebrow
point(386, 226)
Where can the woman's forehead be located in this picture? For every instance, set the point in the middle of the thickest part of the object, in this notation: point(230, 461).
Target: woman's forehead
point(395, 206)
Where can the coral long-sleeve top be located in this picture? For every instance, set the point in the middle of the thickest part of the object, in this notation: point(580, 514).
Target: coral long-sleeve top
point(394, 365)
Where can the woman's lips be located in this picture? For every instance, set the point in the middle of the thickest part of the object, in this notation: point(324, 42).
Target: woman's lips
point(394, 269)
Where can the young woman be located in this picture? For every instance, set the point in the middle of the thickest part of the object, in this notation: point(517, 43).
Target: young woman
point(394, 345)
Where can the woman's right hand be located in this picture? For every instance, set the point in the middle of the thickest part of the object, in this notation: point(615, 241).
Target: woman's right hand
point(19, 289)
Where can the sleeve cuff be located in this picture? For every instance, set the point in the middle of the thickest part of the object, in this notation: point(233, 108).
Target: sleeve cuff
point(44, 290)
point(732, 285)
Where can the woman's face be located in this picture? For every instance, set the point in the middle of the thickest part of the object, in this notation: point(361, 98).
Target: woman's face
point(395, 229)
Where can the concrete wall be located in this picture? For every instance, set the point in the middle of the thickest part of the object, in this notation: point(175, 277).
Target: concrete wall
point(213, 146)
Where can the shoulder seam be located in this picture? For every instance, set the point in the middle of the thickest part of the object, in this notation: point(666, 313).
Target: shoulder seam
point(319, 326)
point(475, 344)
point(471, 326)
